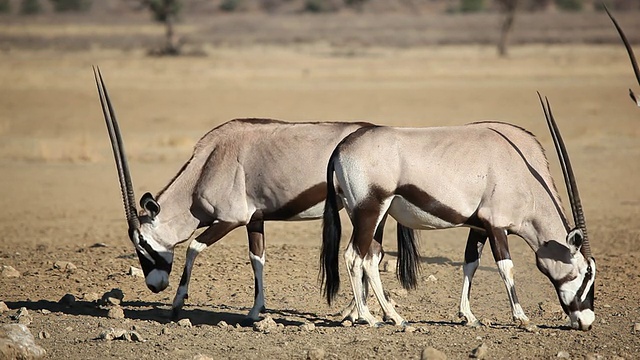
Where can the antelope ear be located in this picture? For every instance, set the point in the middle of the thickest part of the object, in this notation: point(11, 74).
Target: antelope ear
point(150, 204)
point(574, 240)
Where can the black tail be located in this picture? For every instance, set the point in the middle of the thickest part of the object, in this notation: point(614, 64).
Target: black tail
point(408, 257)
point(331, 232)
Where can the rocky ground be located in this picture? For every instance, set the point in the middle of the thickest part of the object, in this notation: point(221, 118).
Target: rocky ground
point(66, 262)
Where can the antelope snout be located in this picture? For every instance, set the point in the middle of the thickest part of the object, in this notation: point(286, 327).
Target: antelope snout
point(582, 320)
point(157, 280)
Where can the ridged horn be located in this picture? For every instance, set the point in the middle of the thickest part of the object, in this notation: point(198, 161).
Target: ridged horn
point(632, 57)
point(124, 176)
point(569, 178)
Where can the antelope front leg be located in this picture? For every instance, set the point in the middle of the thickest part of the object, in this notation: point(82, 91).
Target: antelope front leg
point(473, 252)
point(193, 250)
point(500, 250)
point(255, 232)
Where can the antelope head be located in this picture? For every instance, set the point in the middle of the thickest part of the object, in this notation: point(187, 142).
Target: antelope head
point(155, 255)
point(570, 265)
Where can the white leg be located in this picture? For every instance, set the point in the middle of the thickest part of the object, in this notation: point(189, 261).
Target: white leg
point(505, 268)
point(465, 307)
point(355, 271)
point(373, 273)
point(193, 250)
point(258, 269)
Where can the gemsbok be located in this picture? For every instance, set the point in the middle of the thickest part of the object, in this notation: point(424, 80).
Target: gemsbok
point(632, 57)
point(242, 173)
point(489, 176)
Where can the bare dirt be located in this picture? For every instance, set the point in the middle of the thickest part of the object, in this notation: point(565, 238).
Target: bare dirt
point(60, 195)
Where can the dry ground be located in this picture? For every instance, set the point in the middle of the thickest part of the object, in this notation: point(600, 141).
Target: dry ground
point(60, 196)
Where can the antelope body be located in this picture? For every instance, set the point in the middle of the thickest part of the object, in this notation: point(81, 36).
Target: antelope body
point(241, 173)
point(491, 177)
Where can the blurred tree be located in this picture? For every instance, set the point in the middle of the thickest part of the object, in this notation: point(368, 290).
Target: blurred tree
point(471, 5)
point(166, 12)
point(71, 5)
point(508, 8)
point(569, 5)
point(30, 7)
point(5, 6)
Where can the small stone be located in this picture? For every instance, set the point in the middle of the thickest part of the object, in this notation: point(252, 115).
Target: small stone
point(165, 331)
point(3, 307)
point(389, 266)
point(65, 266)
point(265, 325)
point(135, 272)
point(135, 336)
point(308, 327)
point(116, 313)
point(481, 352)
point(68, 329)
point(99, 245)
point(346, 323)
point(223, 324)
point(593, 357)
point(45, 311)
point(408, 329)
point(22, 316)
point(185, 323)
point(315, 354)
point(563, 355)
point(43, 335)
point(112, 301)
point(432, 354)
point(67, 300)
point(636, 328)
point(9, 272)
point(115, 294)
point(17, 342)
point(202, 357)
point(432, 278)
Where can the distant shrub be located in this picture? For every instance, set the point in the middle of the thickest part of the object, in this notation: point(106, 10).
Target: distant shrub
point(5, 6)
point(319, 6)
point(71, 5)
point(30, 7)
point(569, 5)
point(471, 5)
point(230, 5)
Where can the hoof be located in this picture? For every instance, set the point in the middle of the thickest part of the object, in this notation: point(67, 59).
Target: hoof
point(175, 314)
point(473, 324)
point(379, 324)
point(404, 323)
point(247, 322)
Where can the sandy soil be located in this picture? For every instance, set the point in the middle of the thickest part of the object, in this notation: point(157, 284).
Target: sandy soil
point(60, 195)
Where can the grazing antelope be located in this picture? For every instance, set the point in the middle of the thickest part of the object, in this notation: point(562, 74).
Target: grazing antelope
point(632, 57)
point(241, 173)
point(491, 177)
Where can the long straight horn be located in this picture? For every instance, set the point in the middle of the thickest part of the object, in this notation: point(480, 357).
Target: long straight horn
point(632, 57)
point(124, 176)
point(569, 178)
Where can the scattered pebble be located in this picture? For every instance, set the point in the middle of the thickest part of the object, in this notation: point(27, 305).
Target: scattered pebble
point(409, 329)
point(67, 300)
point(347, 323)
point(65, 266)
point(265, 325)
point(116, 312)
point(389, 266)
point(315, 354)
point(563, 355)
point(165, 331)
point(432, 278)
point(481, 352)
point(308, 327)
point(185, 323)
point(223, 324)
point(135, 272)
point(202, 357)
point(636, 328)
point(43, 335)
point(9, 272)
point(99, 245)
point(17, 342)
point(593, 357)
point(112, 297)
point(45, 311)
point(3, 307)
point(120, 334)
point(22, 316)
point(432, 354)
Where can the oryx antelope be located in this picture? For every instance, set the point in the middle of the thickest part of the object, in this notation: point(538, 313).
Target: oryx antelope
point(489, 176)
point(632, 57)
point(241, 173)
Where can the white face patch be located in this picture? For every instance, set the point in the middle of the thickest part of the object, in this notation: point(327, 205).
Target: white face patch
point(582, 320)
